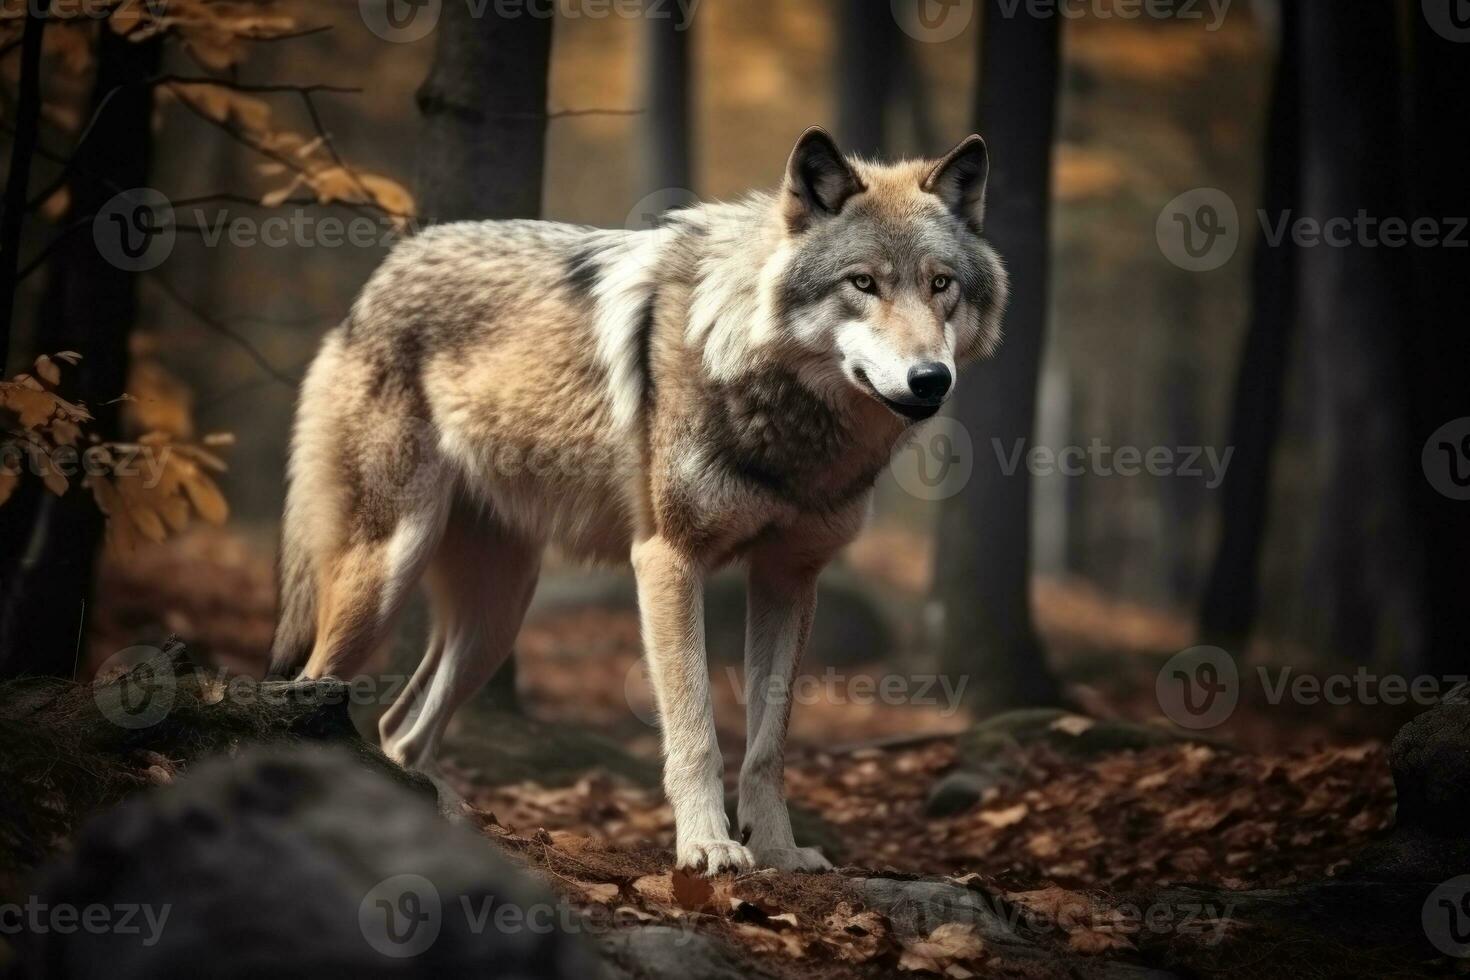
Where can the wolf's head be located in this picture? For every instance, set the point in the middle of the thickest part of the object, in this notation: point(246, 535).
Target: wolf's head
point(884, 279)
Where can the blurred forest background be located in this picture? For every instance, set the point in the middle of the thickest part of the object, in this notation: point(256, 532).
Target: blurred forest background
point(1138, 352)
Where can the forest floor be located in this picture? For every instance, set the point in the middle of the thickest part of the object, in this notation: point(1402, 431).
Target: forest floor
point(1081, 853)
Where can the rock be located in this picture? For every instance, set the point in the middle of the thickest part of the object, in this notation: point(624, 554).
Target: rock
point(960, 790)
point(917, 907)
point(667, 953)
point(294, 863)
point(1430, 760)
point(509, 747)
point(993, 739)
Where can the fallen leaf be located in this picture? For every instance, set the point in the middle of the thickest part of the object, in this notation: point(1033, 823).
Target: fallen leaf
point(1072, 724)
point(1000, 819)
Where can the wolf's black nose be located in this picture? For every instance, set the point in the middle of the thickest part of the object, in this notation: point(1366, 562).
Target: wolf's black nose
point(930, 382)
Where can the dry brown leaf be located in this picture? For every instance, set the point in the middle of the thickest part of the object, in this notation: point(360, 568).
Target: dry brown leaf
point(947, 945)
point(603, 893)
point(1072, 724)
point(1091, 942)
point(1000, 819)
point(693, 891)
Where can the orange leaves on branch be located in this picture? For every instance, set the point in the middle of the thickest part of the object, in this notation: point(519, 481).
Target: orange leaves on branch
point(311, 163)
point(40, 425)
point(153, 489)
point(148, 489)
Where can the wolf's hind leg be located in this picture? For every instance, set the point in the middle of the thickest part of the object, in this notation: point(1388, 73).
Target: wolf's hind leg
point(481, 581)
point(365, 591)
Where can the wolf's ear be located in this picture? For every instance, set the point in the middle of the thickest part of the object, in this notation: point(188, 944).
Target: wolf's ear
point(959, 180)
point(818, 180)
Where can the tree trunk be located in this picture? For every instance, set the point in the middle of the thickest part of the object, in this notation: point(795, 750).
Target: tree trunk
point(1362, 580)
point(90, 306)
point(866, 47)
point(483, 155)
point(1228, 611)
point(17, 182)
point(1439, 340)
point(483, 151)
point(984, 560)
point(667, 136)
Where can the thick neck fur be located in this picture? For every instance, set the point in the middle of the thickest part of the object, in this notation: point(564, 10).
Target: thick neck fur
point(790, 422)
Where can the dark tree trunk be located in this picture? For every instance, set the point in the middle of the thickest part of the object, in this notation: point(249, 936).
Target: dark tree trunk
point(984, 560)
point(667, 135)
point(1353, 292)
point(484, 140)
point(867, 42)
point(1440, 339)
point(17, 182)
point(90, 306)
point(483, 151)
point(1228, 611)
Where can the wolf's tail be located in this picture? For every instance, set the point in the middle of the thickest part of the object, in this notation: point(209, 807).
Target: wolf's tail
point(309, 525)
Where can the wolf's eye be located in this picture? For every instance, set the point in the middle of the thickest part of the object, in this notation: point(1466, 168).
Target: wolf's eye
point(864, 284)
point(941, 283)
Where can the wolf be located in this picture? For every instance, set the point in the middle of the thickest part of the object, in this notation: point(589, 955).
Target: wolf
point(723, 388)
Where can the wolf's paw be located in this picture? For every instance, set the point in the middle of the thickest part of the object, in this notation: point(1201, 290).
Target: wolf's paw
point(714, 856)
point(791, 859)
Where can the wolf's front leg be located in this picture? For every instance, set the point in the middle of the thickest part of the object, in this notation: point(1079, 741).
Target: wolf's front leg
point(671, 607)
point(782, 600)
